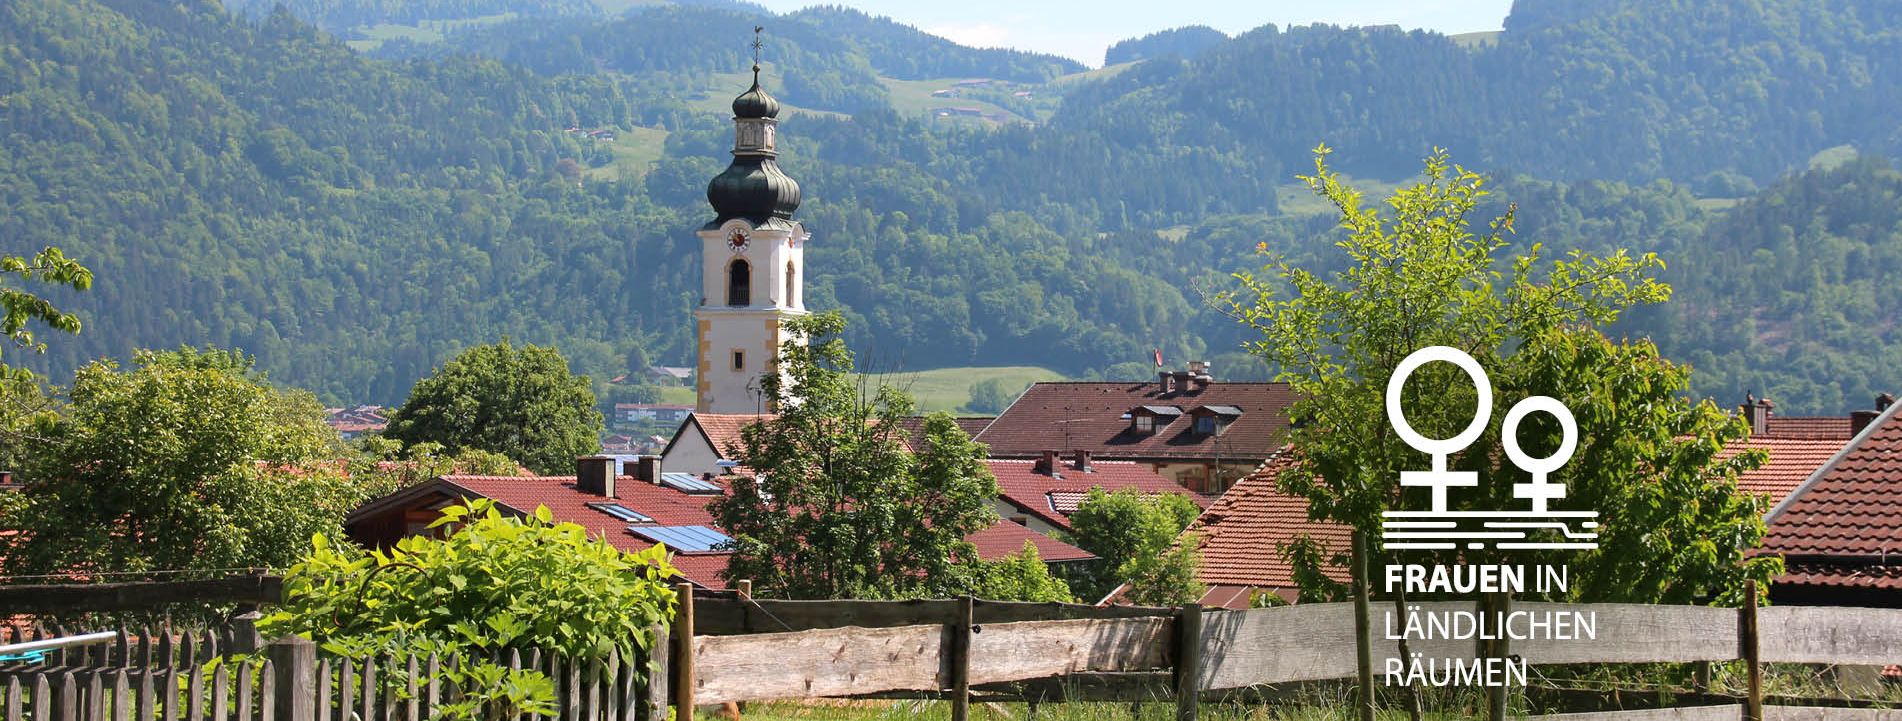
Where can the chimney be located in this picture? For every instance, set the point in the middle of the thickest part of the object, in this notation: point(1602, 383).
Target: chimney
point(647, 469)
point(1083, 461)
point(1757, 412)
point(1884, 401)
point(1859, 420)
point(1185, 382)
point(1162, 383)
point(1049, 465)
point(595, 474)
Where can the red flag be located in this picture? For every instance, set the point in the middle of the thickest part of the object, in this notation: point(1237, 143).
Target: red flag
point(1158, 357)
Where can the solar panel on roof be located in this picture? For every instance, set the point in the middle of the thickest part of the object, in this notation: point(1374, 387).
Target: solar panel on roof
point(621, 512)
point(682, 539)
point(687, 483)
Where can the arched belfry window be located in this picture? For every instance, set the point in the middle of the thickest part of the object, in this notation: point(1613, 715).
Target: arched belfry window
point(739, 283)
point(791, 284)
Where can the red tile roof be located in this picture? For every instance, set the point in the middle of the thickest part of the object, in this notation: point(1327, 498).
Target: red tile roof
point(1032, 491)
point(1791, 461)
point(1004, 538)
point(1842, 524)
point(723, 429)
point(1241, 535)
point(1834, 428)
point(915, 427)
point(1089, 415)
point(669, 507)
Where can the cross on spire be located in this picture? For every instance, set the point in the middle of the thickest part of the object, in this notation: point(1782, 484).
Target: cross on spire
point(757, 44)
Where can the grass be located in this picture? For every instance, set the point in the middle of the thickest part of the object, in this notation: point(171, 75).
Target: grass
point(948, 389)
point(677, 395)
point(635, 152)
point(1102, 73)
point(1479, 39)
point(913, 97)
point(1832, 158)
point(717, 98)
point(426, 32)
point(1160, 710)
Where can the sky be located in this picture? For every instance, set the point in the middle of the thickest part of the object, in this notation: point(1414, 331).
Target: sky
point(1082, 29)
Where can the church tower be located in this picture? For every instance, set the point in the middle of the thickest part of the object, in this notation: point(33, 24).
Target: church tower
point(752, 263)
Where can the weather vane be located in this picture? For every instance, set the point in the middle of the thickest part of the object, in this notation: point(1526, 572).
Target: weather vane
point(757, 44)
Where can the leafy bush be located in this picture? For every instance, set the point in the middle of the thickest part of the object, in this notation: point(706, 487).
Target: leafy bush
point(496, 583)
point(1021, 576)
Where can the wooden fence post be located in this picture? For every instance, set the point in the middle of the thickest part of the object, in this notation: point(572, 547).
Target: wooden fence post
point(1363, 633)
point(294, 665)
point(1752, 654)
point(1188, 676)
point(244, 633)
point(681, 669)
point(958, 660)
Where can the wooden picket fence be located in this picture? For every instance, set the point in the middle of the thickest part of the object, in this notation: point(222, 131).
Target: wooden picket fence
point(170, 676)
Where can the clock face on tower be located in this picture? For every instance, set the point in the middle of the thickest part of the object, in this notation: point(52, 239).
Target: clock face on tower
point(736, 239)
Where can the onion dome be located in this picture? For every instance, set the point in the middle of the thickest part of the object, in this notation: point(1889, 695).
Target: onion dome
point(752, 186)
point(755, 103)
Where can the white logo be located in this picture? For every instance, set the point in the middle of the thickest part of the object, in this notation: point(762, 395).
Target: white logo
point(1440, 528)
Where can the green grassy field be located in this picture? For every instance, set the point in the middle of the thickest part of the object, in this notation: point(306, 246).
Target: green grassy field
point(635, 152)
point(913, 97)
point(1479, 39)
point(677, 395)
point(948, 389)
point(427, 31)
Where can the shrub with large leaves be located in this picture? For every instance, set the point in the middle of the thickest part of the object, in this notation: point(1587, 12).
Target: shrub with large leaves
point(497, 582)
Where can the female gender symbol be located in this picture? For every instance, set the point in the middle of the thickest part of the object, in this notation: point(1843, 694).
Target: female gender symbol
point(1439, 479)
point(1539, 491)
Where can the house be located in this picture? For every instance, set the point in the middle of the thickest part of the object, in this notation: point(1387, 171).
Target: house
point(1041, 494)
point(703, 444)
point(632, 512)
point(1196, 431)
point(667, 375)
point(1839, 529)
point(650, 412)
point(352, 423)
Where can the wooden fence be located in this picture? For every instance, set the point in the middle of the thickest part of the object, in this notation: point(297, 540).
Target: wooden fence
point(728, 647)
point(1054, 652)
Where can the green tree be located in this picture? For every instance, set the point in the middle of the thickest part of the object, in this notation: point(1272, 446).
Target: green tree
point(49, 266)
point(1021, 576)
point(1419, 277)
point(838, 506)
point(1134, 538)
point(991, 396)
point(521, 402)
point(190, 460)
point(383, 465)
point(497, 582)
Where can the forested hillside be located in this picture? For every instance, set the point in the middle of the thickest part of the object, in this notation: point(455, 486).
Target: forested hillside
point(353, 220)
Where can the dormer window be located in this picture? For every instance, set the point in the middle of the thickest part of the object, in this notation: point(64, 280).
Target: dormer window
point(1213, 420)
point(1149, 419)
